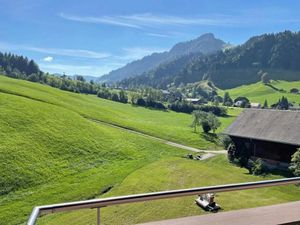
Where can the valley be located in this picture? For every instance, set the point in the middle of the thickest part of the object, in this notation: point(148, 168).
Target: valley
point(54, 152)
point(159, 108)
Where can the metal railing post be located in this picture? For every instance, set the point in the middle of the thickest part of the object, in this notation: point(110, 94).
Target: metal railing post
point(98, 216)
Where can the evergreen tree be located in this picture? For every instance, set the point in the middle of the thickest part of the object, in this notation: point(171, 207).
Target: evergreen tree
point(283, 103)
point(295, 163)
point(227, 101)
point(123, 97)
point(265, 106)
point(32, 68)
point(115, 97)
point(265, 78)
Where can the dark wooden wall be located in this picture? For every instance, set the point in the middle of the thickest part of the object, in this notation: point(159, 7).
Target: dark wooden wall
point(265, 149)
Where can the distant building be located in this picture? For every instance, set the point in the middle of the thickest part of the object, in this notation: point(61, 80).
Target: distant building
point(194, 100)
point(165, 92)
point(255, 105)
point(272, 135)
point(294, 108)
point(238, 103)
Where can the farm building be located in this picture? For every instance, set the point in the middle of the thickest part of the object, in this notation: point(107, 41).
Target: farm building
point(255, 105)
point(273, 135)
point(194, 100)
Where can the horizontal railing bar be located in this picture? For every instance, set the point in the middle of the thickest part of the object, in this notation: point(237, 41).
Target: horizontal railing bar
point(98, 203)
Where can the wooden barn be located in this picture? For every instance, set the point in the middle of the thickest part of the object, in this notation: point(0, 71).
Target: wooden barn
point(273, 135)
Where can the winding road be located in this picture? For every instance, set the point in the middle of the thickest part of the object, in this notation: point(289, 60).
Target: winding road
point(208, 153)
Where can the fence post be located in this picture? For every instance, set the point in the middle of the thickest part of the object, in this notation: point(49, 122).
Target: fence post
point(98, 216)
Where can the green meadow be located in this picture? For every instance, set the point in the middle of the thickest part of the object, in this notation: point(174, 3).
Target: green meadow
point(51, 151)
point(50, 154)
point(259, 92)
point(168, 125)
point(175, 173)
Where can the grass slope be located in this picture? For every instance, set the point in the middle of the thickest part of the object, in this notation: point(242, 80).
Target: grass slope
point(259, 92)
point(172, 126)
point(174, 173)
point(51, 154)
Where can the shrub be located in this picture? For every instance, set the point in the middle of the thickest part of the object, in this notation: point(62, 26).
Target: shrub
point(186, 107)
point(294, 90)
point(216, 110)
point(115, 97)
point(104, 93)
point(257, 167)
point(265, 78)
point(182, 106)
point(226, 141)
point(123, 97)
point(208, 121)
point(295, 163)
point(231, 152)
point(227, 101)
point(141, 102)
point(205, 126)
point(243, 157)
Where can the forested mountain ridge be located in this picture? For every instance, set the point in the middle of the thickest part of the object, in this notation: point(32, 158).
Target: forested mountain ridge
point(163, 75)
point(278, 54)
point(21, 67)
point(204, 44)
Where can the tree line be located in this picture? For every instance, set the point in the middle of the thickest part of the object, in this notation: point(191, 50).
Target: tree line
point(21, 67)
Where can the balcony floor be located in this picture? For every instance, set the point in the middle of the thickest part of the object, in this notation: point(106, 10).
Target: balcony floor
point(287, 213)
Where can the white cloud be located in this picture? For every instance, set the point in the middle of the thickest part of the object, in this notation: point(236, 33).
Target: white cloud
point(159, 35)
point(100, 20)
point(116, 61)
point(48, 59)
point(75, 69)
point(81, 53)
point(151, 20)
point(68, 52)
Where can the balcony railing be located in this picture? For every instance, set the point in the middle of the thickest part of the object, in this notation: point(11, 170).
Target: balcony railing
point(99, 203)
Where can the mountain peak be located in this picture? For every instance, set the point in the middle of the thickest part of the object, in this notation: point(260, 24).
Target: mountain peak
point(206, 43)
point(207, 36)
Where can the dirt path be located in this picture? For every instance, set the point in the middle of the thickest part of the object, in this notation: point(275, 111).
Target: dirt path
point(210, 154)
point(207, 156)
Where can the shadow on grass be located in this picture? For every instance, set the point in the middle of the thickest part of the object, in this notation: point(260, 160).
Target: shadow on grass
point(266, 171)
point(276, 172)
point(150, 108)
point(228, 116)
point(283, 173)
point(210, 137)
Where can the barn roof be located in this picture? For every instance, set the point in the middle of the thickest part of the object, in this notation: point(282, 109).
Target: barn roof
point(269, 125)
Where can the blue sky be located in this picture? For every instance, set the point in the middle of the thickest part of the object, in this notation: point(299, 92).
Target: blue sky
point(92, 37)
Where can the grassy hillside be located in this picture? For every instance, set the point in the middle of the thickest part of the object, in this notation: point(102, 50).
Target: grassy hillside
point(172, 126)
point(259, 92)
point(51, 154)
point(174, 173)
